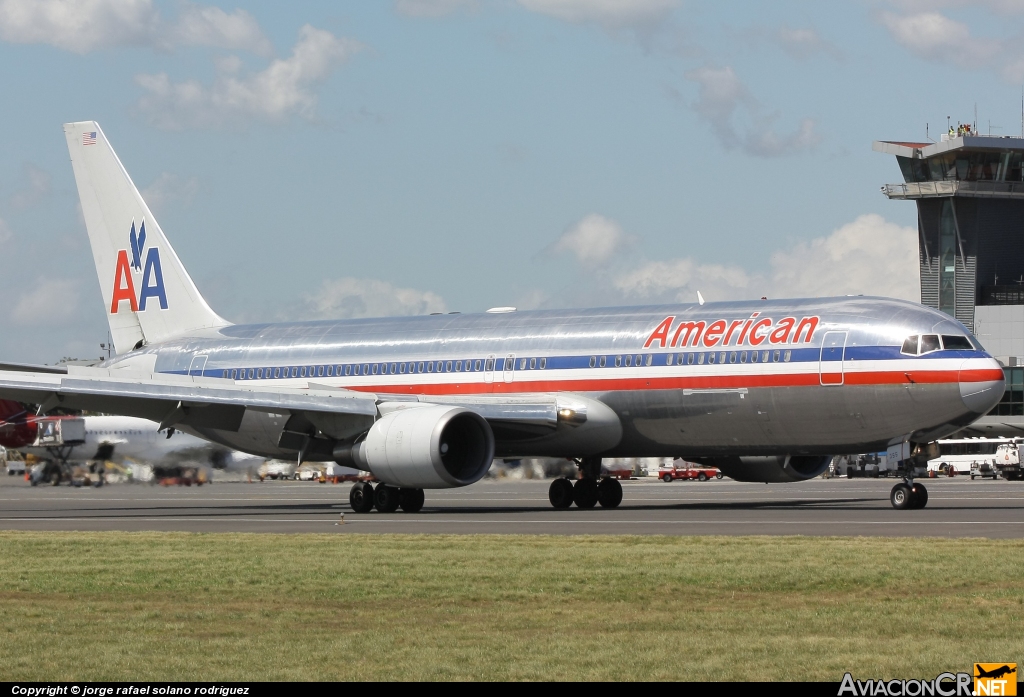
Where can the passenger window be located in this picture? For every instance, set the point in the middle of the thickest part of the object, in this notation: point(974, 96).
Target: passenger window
point(775, 356)
point(366, 369)
point(618, 361)
point(250, 373)
point(320, 372)
point(225, 374)
point(489, 366)
point(929, 343)
point(786, 356)
point(650, 358)
point(348, 370)
point(639, 360)
point(522, 364)
point(910, 346)
point(670, 358)
point(330, 370)
point(593, 361)
point(394, 367)
point(732, 357)
point(419, 367)
point(375, 367)
point(259, 373)
point(743, 357)
point(543, 363)
point(277, 372)
point(711, 358)
point(764, 357)
point(448, 367)
point(689, 359)
point(604, 361)
point(234, 374)
point(533, 363)
point(721, 357)
point(629, 361)
point(302, 373)
point(401, 368)
point(753, 356)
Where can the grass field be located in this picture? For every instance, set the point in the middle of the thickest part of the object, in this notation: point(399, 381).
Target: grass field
point(115, 606)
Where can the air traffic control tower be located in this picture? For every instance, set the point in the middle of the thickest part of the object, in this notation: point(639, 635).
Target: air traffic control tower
point(970, 219)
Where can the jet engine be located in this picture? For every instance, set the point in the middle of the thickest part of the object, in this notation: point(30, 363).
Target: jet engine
point(432, 447)
point(770, 469)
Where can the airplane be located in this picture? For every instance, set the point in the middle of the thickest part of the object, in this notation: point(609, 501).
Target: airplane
point(110, 438)
point(767, 391)
point(995, 673)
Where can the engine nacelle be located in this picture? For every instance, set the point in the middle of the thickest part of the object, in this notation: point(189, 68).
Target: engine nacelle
point(770, 469)
point(434, 447)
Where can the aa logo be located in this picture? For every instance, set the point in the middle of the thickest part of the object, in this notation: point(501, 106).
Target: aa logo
point(995, 679)
point(152, 275)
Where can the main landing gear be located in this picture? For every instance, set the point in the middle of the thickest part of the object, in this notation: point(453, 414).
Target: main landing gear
point(364, 497)
point(589, 490)
point(907, 496)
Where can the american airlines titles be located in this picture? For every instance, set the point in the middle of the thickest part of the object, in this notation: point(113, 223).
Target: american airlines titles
point(753, 331)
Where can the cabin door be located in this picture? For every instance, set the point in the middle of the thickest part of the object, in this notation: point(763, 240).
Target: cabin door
point(830, 367)
point(198, 365)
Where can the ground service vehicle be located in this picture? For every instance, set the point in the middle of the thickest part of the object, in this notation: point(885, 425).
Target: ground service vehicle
point(1008, 460)
point(671, 473)
point(762, 390)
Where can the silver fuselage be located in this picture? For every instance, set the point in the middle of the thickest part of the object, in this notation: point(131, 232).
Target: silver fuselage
point(737, 385)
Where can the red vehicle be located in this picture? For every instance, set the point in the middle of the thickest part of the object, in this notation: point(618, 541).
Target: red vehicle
point(670, 473)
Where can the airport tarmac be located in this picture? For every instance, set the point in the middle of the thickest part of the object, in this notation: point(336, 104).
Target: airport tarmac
point(956, 508)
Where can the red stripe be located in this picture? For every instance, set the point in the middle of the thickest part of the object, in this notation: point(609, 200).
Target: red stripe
point(704, 382)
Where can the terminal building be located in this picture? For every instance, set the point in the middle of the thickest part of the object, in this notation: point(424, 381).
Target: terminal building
point(969, 192)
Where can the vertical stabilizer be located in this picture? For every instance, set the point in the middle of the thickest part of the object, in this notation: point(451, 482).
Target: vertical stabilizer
point(147, 293)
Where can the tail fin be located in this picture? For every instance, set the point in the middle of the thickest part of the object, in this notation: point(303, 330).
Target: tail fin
point(148, 295)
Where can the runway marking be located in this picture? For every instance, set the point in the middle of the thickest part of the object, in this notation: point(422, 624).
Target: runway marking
point(189, 519)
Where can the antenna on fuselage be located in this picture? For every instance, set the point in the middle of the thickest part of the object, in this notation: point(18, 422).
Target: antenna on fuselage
point(700, 298)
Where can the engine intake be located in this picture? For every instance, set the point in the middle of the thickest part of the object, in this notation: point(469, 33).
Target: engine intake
point(433, 447)
point(770, 469)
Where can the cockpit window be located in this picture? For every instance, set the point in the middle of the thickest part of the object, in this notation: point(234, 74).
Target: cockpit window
point(910, 346)
point(959, 343)
point(929, 343)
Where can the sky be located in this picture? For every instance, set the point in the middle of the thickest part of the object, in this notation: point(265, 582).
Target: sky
point(346, 159)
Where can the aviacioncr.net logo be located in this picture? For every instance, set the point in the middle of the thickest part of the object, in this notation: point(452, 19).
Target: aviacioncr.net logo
point(945, 685)
point(152, 285)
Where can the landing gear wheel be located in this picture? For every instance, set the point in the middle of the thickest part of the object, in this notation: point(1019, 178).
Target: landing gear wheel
point(411, 500)
point(609, 493)
point(667, 478)
point(919, 497)
point(584, 493)
point(901, 497)
point(560, 493)
point(386, 498)
point(361, 497)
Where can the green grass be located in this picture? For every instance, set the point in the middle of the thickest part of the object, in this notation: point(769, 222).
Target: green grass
point(116, 606)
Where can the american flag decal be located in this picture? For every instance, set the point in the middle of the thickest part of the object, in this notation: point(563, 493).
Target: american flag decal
point(89, 138)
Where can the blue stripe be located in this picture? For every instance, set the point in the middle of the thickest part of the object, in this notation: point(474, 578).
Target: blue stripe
point(660, 360)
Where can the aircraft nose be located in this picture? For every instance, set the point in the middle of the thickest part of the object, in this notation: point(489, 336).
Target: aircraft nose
point(981, 384)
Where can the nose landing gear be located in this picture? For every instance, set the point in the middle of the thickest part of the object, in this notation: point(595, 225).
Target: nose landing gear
point(908, 496)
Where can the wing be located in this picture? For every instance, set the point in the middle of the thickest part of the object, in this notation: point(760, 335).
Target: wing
point(565, 422)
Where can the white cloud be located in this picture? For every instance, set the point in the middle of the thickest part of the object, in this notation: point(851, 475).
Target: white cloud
point(739, 121)
point(282, 90)
point(37, 186)
point(52, 300)
point(934, 36)
point(610, 14)
point(869, 256)
point(594, 240)
point(81, 26)
point(432, 8)
point(359, 297)
point(170, 188)
point(803, 43)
